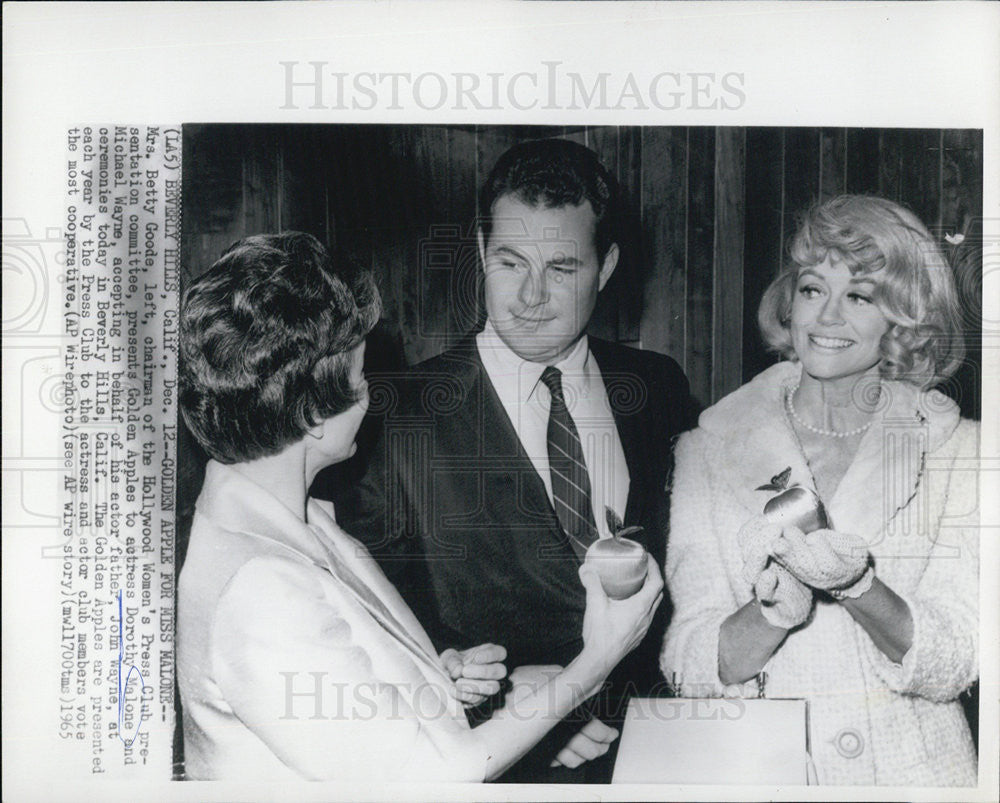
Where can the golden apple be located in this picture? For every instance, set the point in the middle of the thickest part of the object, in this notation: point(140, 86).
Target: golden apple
point(795, 506)
point(620, 563)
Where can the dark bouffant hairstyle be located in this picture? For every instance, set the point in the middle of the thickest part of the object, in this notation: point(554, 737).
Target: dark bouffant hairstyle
point(265, 338)
point(914, 285)
point(554, 173)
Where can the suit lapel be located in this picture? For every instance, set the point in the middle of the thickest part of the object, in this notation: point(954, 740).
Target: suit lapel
point(484, 413)
point(630, 424)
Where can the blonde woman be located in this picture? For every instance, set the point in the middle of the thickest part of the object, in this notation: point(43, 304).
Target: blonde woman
point(872, 617)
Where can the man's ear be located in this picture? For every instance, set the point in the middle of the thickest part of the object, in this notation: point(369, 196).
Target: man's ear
point(608, 266)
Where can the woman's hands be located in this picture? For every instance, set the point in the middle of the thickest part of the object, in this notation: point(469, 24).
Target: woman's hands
point(613, 628)
point(825, 559)
point(477, 671)
point(785, 601)
point(784, 564)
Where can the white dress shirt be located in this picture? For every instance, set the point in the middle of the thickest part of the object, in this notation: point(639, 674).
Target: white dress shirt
point(526, 400)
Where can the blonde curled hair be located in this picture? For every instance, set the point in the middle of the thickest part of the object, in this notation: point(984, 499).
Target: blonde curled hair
point(914, 284)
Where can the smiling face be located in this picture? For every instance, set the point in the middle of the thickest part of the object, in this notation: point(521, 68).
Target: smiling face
point(543, 275)
point(836, 327)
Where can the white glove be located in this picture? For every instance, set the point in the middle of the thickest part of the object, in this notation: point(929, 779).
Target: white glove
point(784, 601)
point(755, 539)
point(825, 559)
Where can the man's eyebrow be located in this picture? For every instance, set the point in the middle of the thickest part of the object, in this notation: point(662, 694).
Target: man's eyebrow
point(564, 261)
point(507, 249)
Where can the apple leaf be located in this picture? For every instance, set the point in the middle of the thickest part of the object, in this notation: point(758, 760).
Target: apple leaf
point(613, 519)
point(779, 482)
point(627, 531)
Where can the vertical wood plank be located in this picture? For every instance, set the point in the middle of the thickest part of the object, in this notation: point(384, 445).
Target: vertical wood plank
point(700, 263)
point(920, 180)
point(763, 245)
point(802, 171)
point(575, 133)
point(619, 308)
point(603, 140)
point(729, 226)
point(261, 182)
point(432, 215)
point(348, 199)
point(303, 182)
point(630, 172)
point(890, 163)
point(400, 197)
point(467, 307)
point(962, 213)
point(862, 164)
point(212, 195)
point(493, 140)
point(833, 143)
point(664, 223)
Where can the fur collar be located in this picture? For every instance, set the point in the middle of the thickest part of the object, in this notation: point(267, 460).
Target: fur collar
point(759, 442)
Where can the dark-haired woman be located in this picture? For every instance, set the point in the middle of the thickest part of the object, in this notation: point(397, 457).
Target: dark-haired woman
point(296, 657)
point(873, 617)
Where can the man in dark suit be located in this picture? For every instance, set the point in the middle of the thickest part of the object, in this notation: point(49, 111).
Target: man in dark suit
point(496, 460)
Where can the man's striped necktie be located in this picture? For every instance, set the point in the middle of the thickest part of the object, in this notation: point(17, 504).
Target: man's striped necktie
point(568, 471)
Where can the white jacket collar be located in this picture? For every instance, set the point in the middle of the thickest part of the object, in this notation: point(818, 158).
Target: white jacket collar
point(236, 503)
point(759, 442)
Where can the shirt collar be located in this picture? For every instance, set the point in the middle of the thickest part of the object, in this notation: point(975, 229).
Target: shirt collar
point(521, 376)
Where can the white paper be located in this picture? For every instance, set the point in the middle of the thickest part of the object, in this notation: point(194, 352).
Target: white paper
point(70, 65)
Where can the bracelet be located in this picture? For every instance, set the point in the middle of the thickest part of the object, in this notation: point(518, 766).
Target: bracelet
point(855, 589)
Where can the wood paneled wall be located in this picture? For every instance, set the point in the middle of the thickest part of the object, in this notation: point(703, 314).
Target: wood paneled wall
point(708, 213)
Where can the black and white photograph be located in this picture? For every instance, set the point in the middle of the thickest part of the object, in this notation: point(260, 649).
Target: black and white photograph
point(555, 426)
point(527, 359)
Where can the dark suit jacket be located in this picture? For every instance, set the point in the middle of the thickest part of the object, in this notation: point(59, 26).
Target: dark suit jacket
point(454, 511)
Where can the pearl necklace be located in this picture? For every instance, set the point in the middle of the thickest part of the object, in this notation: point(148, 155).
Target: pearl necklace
point(829, 433)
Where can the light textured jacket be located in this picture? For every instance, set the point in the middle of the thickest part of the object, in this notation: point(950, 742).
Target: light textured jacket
point(911, 493)
point(298, 659)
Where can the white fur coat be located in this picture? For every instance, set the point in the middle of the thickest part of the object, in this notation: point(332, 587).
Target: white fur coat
point(911, 492)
